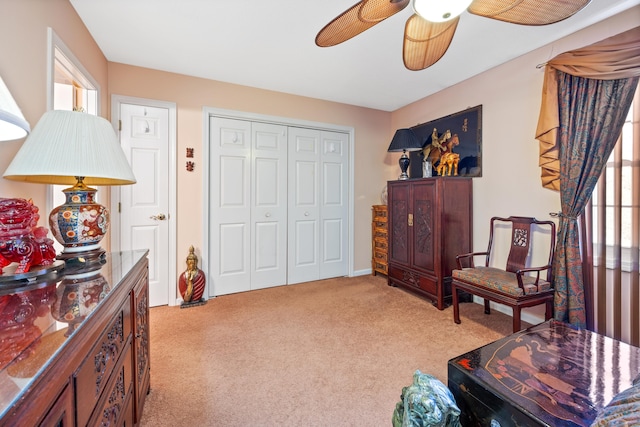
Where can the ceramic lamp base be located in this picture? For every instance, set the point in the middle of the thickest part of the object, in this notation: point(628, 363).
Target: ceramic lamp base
point(404, 165)
point(80, 223)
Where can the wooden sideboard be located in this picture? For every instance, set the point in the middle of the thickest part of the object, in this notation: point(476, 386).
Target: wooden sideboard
point(75, 345)
point(430, 223)
point(379, 242)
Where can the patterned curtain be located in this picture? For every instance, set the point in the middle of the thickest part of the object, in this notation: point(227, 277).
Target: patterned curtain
point(591, 115)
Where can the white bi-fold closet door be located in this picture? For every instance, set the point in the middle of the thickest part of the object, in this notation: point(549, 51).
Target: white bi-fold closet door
point(278, 205)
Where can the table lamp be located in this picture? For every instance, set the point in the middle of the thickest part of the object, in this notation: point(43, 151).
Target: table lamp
point(78, 149)
point(12, 123)
point(405, 140)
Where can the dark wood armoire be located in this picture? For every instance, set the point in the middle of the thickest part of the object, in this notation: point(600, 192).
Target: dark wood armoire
point(430, 223)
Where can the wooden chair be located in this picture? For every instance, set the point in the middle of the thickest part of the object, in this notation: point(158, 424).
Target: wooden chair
point(518, 285)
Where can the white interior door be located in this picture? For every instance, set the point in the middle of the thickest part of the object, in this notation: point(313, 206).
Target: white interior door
point(248, 205)
point(230, 206)
point(318, 204)
point(144, 219)
point(334, 206)
point(269, 205)
point(304, 205)
point(278, 200)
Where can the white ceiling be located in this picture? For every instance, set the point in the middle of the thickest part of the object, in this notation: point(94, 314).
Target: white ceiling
point(270, 45)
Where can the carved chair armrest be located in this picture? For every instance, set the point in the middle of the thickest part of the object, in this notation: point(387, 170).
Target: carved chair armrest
point(520, 273)
point(467, 260)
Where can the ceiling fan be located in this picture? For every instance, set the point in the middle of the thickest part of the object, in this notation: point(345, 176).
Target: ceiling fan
point(429, 31)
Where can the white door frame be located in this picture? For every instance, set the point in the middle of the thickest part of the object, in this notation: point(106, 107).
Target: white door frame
point(116, 101)
point(208, 112)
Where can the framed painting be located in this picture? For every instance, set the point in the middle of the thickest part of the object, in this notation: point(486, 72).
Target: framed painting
point(459, 134)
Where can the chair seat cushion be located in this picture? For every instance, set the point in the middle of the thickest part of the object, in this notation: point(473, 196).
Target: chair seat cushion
point(500, 280)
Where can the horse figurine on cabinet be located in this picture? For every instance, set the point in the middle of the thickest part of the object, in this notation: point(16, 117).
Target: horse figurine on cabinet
point(441, 149)
point(448, 164)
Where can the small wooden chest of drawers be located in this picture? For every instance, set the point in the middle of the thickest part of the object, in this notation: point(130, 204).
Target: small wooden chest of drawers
point(379, 240)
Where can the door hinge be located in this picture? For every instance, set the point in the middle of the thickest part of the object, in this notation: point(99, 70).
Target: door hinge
point(410, 220)
point(119, 124)
point(119, 207)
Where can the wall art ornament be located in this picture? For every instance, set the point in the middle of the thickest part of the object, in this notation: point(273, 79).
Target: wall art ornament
point(452, 144)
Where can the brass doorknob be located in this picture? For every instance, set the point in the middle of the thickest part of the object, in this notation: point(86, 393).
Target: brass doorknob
point(159, 217)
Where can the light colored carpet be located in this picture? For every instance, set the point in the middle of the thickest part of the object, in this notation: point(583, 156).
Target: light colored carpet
point(335, 352)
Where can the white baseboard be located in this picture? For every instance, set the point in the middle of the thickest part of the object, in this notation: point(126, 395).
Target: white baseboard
point(361, 272)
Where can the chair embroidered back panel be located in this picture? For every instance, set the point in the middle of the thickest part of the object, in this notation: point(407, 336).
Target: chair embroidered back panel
point(522, 229)
point(520, 238)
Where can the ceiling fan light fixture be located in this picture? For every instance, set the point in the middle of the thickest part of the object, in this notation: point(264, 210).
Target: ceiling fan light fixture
point(440, 10)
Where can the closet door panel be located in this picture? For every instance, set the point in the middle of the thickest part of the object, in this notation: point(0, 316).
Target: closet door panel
point(304, 205)
point(269, 205)
point(334, 209)
point(230, 206)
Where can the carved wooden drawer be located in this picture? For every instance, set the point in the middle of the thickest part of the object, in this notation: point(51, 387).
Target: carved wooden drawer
point(380, 245)
point(379, 242)
point(140, 302)
point(95, 372)
point(116, 400)
point(414, 279)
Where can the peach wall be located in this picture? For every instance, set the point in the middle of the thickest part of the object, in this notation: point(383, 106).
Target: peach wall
point(510, 95)
point(191, 94)
point(23, 66)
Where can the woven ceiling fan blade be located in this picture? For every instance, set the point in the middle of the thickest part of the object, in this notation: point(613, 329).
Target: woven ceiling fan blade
point(425, 42)
point(527, 12)
point(358, 18)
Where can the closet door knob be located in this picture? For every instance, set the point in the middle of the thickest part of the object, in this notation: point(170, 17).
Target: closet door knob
point(306, 214)
point(159, 217)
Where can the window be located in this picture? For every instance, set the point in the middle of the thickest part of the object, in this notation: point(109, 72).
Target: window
point(615, 226)
point(70, 87)
point(614, 200)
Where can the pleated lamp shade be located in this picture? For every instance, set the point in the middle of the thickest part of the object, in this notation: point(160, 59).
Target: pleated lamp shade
point(13, 125)
point(78, 149)
point(69, 144)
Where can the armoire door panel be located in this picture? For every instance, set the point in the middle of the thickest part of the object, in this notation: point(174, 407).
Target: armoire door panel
point(399, 219)
point(424, 231)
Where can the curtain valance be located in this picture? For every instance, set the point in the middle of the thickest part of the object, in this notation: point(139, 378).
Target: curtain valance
point(613, 58)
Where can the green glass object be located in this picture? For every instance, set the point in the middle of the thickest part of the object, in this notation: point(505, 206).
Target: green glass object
point(426, 402)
